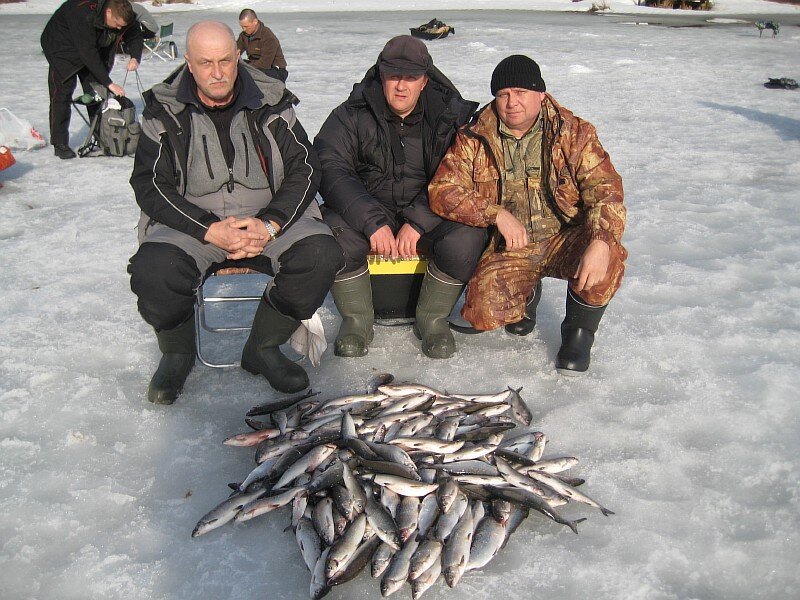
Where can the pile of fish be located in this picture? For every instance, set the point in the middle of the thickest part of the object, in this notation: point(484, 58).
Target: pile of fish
point(413, 481)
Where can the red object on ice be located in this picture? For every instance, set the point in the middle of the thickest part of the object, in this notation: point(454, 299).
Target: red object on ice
point(6, 159)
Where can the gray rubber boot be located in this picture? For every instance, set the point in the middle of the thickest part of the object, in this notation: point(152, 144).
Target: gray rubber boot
point(527, 324)
point(353, 297)
point(577, 335)
point(262, 355)
point(437, 297)
point(178, 353)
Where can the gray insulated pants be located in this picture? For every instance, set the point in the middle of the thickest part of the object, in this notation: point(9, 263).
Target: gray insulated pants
point(170, 266)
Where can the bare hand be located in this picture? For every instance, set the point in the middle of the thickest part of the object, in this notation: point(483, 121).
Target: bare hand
point(232, 236)
point(117, 90)
point(407, 239)
point(253, 247)
point(382, 242)
point(593, 266)
point(512, 230)
point(133, 64)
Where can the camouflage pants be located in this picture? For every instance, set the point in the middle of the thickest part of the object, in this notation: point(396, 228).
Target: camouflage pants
point(503, 281)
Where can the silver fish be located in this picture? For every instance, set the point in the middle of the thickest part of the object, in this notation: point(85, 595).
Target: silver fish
point(428, 514)
point(455, 554)
point(486, 543)
point(425, 580)
point(224, 512)
point(408, 517)
point(344, 548)
point(309, 542)
point(382, 522)
point(405, 487)
point(567, 490)
point(322, 517)
point(448, 521)
point(259, 506)
point(319, 583)
point(518, 407)
point(381, 559)
point(397, 573)
point(427, 553)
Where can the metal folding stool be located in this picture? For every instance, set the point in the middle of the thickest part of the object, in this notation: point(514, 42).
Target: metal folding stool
point(204, 301)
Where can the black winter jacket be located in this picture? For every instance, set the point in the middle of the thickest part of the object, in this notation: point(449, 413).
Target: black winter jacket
point(160, 165)
point(355, 152)
point(76, 37)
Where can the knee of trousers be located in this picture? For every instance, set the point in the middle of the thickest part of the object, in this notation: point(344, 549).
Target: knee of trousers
point(164, 278)
point(306, 273)
point(457, 253)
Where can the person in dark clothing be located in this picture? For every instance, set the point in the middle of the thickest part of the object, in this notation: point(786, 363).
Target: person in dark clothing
point(225, 175)
point(262, 47)
point(79, 42)
point(378, 151)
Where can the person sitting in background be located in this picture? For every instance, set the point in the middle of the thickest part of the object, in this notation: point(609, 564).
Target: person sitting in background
point(378, 151)
point(538, 174)
point(79, 42)
point(261, 46)
point(225, 174)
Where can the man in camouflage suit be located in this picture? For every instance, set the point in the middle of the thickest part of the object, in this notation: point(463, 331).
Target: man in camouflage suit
point(538, 174)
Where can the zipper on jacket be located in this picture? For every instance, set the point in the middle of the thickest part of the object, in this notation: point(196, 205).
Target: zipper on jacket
point(208, 160)
point(246, 156)
point(230, 180)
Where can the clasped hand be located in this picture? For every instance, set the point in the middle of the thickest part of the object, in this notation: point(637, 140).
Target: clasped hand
point(240, 238)
point(383, 242)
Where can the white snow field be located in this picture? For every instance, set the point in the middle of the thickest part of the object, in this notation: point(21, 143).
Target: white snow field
point(686, 425)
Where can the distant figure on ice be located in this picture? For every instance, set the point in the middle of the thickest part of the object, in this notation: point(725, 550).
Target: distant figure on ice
point(378, 151)
point(225, 176)
point(537, 175)
point(79, 42)
point(261, 46)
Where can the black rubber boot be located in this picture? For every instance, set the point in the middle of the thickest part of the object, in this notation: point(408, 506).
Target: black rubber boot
point(262, 355)
point(178, 353)
point(577, 336)
point(353, 298)
point(525, 325)
point(64, 152)
point(438, 295)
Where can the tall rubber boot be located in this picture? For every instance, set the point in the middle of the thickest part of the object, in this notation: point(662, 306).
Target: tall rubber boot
point(438, 295)
point(353, 297)
point(525, 325)
point(262, 355)
point(178, 352)
point(577, 335)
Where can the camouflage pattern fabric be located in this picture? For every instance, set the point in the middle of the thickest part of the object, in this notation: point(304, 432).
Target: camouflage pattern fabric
point(578, 181)
point(503, 281)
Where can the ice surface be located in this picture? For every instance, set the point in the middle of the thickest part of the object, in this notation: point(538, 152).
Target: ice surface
point(686, 426)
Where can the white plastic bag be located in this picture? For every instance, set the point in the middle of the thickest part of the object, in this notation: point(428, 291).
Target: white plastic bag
point(309, 339)
point(18, 134)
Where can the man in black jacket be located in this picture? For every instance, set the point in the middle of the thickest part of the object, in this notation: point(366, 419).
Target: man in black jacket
point(225, 175)
point(378, 151)
point(79, 42)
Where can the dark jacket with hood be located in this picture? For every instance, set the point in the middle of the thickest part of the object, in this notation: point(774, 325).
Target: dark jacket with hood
point(355, 150)
point(180, 177)
point(76, 37)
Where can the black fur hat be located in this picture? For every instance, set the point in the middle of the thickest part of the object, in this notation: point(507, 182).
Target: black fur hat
point(517, 71)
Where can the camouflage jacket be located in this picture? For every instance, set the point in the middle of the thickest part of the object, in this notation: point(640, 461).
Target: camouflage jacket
point(578, 179)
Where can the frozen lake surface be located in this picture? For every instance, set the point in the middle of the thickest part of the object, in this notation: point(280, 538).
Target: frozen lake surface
point(686, 426)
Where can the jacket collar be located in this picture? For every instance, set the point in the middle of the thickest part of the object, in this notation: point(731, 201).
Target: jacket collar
point(256, 89)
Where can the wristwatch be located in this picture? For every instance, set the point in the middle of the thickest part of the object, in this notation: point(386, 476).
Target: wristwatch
point(271, 229)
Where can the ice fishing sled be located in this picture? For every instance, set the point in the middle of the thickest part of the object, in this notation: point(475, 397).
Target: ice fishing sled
point(432, 30)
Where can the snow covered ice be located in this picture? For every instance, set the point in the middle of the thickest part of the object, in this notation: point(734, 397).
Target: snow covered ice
point(686, 425)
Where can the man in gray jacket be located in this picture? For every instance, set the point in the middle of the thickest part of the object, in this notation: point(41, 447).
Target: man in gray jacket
point(225, 175)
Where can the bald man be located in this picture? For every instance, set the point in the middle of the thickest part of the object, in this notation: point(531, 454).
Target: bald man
point(225, 176)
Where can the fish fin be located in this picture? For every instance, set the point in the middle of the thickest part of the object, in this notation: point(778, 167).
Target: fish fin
point(607, 512)
point(574, 524)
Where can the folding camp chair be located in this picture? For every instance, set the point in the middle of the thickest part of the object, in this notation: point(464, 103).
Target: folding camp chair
point(223, 293)
point(162, 45)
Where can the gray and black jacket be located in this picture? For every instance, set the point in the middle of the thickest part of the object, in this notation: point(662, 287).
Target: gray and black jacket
point(355, 149)
point(180, 176)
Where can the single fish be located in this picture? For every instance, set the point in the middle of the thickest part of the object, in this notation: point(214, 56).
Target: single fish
point(344, 548)
point(381, 559)
point(518, 407)
point(427, 553)
point(486, 543)
point(428, 514)
point(322, 517)
point(259, 506)
point(455, 554)
point(382, 522)
point(424, 581)
point(224, 512)
point(397, 573)
point(309, 542)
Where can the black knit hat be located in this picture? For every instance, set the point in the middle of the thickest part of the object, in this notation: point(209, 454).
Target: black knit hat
point(517, 71)
point(404, 55)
